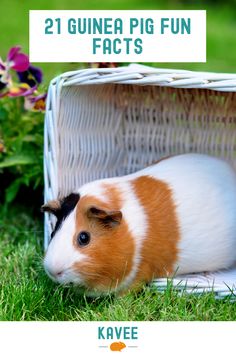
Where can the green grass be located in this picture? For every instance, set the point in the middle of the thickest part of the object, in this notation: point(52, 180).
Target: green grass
point(27, 294)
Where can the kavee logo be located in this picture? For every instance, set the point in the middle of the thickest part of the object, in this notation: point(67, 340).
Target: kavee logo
point(117, 346)
point(118, 338)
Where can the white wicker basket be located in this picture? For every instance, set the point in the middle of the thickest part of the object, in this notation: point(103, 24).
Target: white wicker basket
point(110, 122)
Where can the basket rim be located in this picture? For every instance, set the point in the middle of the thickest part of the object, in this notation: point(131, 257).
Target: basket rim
point(137, 74)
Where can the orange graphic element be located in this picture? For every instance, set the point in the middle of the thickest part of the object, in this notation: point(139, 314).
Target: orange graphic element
point(117, 346)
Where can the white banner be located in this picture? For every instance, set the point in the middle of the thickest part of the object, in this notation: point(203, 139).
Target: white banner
point(118, 36)
point(126, 337)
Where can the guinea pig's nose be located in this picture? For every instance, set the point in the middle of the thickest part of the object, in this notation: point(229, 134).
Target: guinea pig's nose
point(53, 269)
point(54, 274)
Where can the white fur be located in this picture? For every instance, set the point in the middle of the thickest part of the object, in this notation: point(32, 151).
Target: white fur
point(95, 189)
point(61, 253)
point(204, 192)
point(136, 219)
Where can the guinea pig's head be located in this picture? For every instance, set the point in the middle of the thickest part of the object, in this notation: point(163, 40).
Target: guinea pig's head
point(90, 245)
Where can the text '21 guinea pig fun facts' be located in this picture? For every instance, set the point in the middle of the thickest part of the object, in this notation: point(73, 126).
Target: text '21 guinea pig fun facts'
point(117, 36)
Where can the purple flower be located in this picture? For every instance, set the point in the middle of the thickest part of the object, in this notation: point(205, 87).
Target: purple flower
point(36, 103)
point(29, 79)
point(16, 60)
point(15, 90)
point(32, 76)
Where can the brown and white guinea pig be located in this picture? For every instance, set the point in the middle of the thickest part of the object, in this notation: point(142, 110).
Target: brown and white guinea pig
point(177, 216)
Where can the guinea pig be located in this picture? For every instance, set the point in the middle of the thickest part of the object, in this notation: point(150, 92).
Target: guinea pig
point(177, 216)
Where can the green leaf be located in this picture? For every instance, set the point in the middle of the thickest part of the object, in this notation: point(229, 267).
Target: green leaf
point(12, 190)
point(17, 160)
point(3, 113)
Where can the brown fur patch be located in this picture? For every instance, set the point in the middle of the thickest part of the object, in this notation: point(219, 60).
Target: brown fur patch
point(159, 251)
point(51, 206)
point(111, 249)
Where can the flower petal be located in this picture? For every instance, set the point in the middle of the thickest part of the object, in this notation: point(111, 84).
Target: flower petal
point(20, 90)
point(37, 73)
point(29, 91)
point(12, 52)
point(36, 103)
point(42, 96)
point(15, 91)
point(31, 76)
point(20, 62)
point(40, 105)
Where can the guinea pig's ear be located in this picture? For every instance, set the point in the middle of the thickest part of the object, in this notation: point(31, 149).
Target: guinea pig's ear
point(107, 217)
point(61, 208)
point(52, 207)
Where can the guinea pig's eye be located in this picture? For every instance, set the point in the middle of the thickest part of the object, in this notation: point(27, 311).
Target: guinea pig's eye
point(83, 238)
